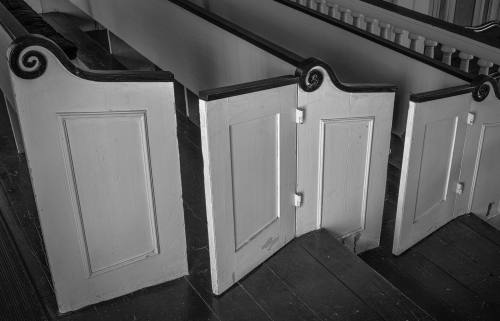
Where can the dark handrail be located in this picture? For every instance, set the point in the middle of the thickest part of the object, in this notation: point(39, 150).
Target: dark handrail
point(309, 77)
point(478, 87)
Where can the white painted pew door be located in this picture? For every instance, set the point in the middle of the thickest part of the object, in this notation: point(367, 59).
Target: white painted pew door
point(249, 152)
point(434, 142)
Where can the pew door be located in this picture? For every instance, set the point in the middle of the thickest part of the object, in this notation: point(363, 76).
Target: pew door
point(434, 142)
point(249, 152)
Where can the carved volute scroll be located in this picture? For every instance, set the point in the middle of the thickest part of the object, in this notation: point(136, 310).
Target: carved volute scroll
point(312, 73)
point(27, 63)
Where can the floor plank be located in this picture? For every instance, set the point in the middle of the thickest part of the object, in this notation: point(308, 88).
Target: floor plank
point(480, 227)
point(275, 297)
point(387, 301)
point(316, 286)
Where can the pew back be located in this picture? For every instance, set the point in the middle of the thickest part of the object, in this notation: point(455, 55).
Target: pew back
point(355, 57)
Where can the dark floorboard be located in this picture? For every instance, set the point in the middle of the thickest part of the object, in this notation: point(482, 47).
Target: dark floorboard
point(454, 274)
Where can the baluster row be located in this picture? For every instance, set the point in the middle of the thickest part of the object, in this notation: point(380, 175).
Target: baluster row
point(398, 35)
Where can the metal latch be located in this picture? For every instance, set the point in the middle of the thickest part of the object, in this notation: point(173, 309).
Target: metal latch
point(460, 188)
point(297, 199)
point(299, 116)
point(471, 118)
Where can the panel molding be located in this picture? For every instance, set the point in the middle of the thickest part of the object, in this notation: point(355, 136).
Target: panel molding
point(477, 162)
point(276, 120)
point(451, 152)
point(321, 155)
point(64, 118)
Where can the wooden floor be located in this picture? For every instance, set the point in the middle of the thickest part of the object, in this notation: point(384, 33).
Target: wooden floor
point(454, 274)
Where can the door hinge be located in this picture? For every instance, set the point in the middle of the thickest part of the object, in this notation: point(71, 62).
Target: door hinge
point(460, 188)
point(471, 118)
point(299, 115)
point(298, 199)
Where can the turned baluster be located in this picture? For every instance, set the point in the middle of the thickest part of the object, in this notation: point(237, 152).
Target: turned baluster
point(344, 14)
point(332, 9)
point(447, 52)
point(398, 38)
point(302, 2)
point(385, 30)
point(320, 6)
point(371, 24)
point(414, 40)
point(429, 46)
point(357, 19)
point(311, 4)
point(465, 59)
point(484, 66)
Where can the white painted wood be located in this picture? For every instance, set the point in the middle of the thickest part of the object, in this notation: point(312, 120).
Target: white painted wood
point(343, 148)
point(345, 14)
point(430, 46)
point(433, 149)
point(399, 36)
point(415, 41)
point(372, 25)
point(447, 53)
point(484, 66)
point(332, 9)
point(480, 166)
point(104, 165)
point(249, 153)
point(465, 59)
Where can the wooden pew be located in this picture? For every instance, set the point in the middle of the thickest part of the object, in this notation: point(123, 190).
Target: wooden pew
point(450, 162)
point(428, 184)
point(249, 132)
point(103, 156)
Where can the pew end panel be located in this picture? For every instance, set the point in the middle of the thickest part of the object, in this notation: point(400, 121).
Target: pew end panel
point(448, 169)
point(103, 156)
point(343, 149)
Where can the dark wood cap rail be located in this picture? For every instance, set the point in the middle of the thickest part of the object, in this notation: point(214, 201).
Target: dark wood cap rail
point(31, 64)
point(478, 87)
point(383, 42)
point(309, 77)
point(246, 88)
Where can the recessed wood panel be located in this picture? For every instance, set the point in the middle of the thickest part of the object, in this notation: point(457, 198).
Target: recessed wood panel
point(108, 157)
point(435, 165)
point(487, 171)
point(345, 149)
point(255, 176)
